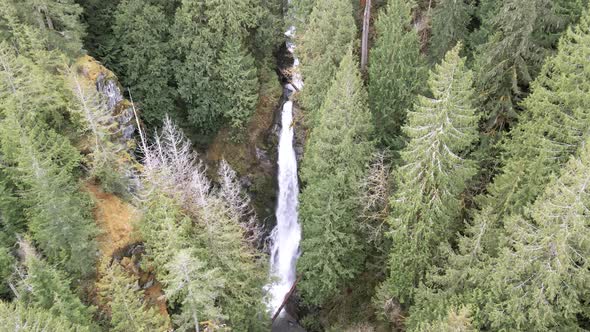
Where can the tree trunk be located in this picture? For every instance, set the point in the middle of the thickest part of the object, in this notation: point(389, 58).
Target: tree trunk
point(365, 36)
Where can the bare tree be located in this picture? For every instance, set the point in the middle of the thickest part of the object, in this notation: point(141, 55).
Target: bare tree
point(238, 203)
point(375, 192)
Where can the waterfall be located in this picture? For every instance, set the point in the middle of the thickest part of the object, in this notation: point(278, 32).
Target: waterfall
point(286, 235)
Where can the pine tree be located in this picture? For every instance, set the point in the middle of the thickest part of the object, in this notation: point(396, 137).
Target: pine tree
point(396, 72)
point(540, 280)
point(144, 55)
point(450, 21)
point(336, 156)
point(239, 83)
point(16, 317)
point(324, 43)
point(435, 171)
point(125, 302)
point(45, 287)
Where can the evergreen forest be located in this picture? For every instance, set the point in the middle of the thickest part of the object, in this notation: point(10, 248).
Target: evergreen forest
point(441, 156)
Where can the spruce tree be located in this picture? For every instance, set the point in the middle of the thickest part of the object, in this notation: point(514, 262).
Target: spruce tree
point(57, 22)
point(540, 280)
point(17, 317)
point(324, 43)
point(45, 287)
point(124, 301)
point(450, 21)
point(425, 209)
point(336, 156)
point(521, 35)
point(396, 72)
point(144, 55)
point(198, 289)
point(550, 130)
point(238, 82)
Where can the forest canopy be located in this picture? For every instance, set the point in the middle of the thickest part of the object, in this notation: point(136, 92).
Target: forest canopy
point(442, 180)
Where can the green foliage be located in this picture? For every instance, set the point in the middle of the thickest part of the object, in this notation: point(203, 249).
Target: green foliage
point(144, 53)
point(185, 215)
point(7, 262)
point(336, 156)
point(396, 73)
point(28, 319)
point(450, 21)
point(520, 35)
point(324, 43)
point(239, 83)
point(551, 128)
point(425, 209)
point(47, 288)
point(197, 287)
point(55, 22)
point(456, 321)
point(125, 301)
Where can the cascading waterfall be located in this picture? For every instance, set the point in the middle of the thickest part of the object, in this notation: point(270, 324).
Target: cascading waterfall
point(286, 235)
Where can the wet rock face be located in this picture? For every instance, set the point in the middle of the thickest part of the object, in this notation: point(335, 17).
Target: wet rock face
point(109, 87)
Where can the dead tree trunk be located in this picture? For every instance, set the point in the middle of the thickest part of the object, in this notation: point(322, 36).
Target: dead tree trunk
point(287, 296)
point(365, 36)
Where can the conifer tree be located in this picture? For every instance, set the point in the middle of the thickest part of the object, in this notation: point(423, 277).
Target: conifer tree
point(450, 20)
point(7, 262)
point(125, 302)
point(198, 288)
point(95, 121)
point(521, 35)
point(396, 72)
point(435, 171)
point(45, 287)
point(144, 55)
point(185, 213)
point(17, 317)
point(551, 128)
point(239, 83)
point(56, 21)
point(540, 280)
point(336, 156)
point(455, 321)
point(324, 43)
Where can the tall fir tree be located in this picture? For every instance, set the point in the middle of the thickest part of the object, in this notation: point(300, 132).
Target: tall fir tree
point(17, 317)
point(450, 23)
point(239, 83)
point(124, 300)
point(397, 72)
point(551, 128)
point(520, 34)
point(56, 22)
point(143, 54)
point(46, 287)
point(336, 156)
point(540, 280)
point(436, 169)
point(322, 47)
point(198, 287)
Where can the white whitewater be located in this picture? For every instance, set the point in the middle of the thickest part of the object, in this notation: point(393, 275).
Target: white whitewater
point(286, 235)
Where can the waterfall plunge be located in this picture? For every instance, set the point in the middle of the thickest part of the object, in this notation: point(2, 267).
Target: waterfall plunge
point(287, 233)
